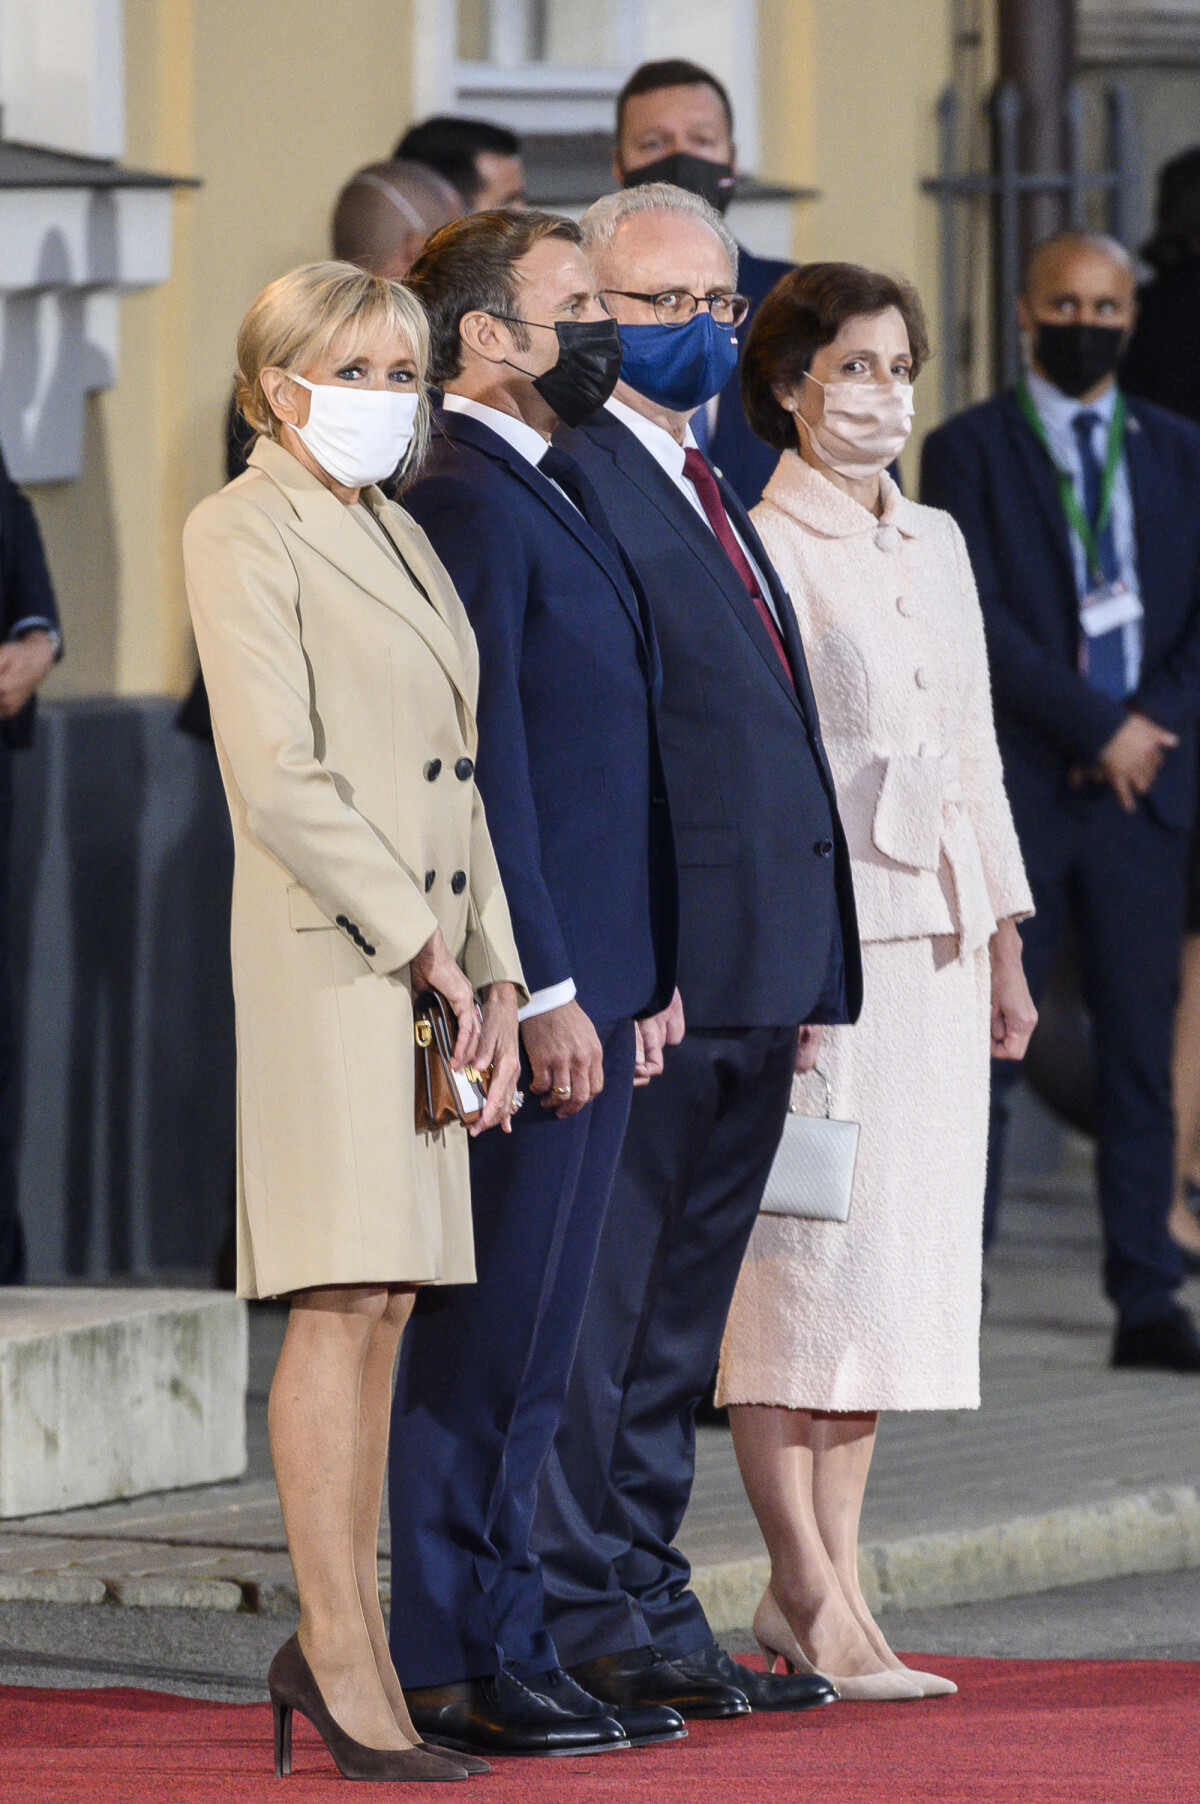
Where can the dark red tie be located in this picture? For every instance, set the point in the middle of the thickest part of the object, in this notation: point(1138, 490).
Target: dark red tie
point(696, 469)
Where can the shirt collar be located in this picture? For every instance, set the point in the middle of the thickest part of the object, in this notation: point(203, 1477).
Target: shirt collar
point(1058, 410)
point(665, 450)
point(523, 439)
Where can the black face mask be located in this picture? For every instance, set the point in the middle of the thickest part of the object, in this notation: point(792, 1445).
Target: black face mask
point(1077, 357)
point(713, 182)
point(589, 364)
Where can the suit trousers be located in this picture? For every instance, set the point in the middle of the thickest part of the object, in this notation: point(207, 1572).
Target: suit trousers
point(613, 1493)
point(481, 1386)
point(1122, 880)
point(12, 1237)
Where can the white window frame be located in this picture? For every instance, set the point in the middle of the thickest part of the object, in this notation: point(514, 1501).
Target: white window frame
point(557, 97)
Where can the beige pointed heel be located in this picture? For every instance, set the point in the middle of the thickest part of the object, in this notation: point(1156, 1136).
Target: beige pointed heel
point(777, 1639)
point(932, 1684)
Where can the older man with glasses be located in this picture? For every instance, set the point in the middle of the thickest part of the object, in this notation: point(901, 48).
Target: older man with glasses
point(768, 947)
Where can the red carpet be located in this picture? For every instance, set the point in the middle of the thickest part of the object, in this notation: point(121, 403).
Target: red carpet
point(1019, 1732)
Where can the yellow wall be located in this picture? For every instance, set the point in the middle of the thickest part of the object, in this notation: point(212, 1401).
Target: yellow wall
point(850, 89)
point(272, 103)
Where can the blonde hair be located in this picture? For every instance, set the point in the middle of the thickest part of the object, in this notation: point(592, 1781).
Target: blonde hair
point(295, 321)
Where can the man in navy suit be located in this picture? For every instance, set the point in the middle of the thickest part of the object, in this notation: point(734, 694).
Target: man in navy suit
point(570, 773)
point(1081, 511)
point(30, 642)
point(768, 941)
point(675, 124)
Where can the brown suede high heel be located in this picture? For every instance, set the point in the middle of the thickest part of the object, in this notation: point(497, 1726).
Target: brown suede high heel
point(292, 1687)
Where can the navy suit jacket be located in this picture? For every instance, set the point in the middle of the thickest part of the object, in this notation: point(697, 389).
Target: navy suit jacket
point(744, 460)
point(767, 928)
point(988, 469)
point(26, 592)
point(568, 764)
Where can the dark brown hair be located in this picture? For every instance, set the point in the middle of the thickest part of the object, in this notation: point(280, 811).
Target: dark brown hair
point(803, 313)
point(672, 72)
point(467, 267)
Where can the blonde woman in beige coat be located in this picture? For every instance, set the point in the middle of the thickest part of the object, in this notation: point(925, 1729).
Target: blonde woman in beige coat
point(342, 674)
point(833, 1322)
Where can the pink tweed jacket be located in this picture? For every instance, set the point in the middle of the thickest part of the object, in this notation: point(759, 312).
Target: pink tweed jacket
point(891, 625)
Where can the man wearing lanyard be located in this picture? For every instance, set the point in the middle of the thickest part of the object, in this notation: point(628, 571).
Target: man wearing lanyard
point(1081, 511)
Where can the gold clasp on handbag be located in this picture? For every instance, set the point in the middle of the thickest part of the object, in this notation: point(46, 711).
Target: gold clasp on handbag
point(424, 1033)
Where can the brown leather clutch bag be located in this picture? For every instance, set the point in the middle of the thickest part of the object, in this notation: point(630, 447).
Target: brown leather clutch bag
point(443, 1095)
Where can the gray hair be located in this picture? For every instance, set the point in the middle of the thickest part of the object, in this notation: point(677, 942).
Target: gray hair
point(606, 216)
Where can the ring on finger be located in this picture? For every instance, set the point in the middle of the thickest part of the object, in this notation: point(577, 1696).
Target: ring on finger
point(517, 1102)
point(562, 1089)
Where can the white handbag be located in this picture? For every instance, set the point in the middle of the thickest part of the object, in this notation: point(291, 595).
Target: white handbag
point(813, 1173)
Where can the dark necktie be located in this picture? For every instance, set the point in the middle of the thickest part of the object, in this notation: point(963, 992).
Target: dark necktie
point(1105, 654)
point(576, 486)
point(698, 473)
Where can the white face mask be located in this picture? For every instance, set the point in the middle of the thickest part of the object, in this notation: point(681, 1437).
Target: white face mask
point(863, 426)
point(357, 435)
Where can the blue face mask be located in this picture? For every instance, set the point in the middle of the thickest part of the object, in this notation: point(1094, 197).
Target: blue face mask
point(680, 367)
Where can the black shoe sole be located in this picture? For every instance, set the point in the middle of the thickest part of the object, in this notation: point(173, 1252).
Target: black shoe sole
point(482, 1753)
point(653, 1741)
point(710, 1713)
point(789, 1709)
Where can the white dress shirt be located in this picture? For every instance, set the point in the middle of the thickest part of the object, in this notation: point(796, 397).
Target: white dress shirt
point(1057, 413)
point(668, 453)
point(529, 444)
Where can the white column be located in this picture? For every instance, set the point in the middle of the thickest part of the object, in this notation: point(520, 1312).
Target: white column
point(62, 74)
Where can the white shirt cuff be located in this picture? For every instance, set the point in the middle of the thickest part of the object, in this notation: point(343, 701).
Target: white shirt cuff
point(542, 1001)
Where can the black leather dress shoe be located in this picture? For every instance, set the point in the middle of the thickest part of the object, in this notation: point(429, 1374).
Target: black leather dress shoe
point(500, 1716)
point(644, 1676)
point(644, 1724)
point(1166, 1343)
point(765, 1690)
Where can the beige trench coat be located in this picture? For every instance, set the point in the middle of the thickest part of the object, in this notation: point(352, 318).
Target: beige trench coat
point(343, 712)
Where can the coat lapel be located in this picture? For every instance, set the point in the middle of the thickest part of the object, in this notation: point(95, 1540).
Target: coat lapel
point(635, 461)
point(461, 427)
point(785, 613)
point(1148, 499)
point(324, 523)
point(1040, 472)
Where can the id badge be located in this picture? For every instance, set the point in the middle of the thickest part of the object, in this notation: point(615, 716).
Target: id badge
point(1109, 606)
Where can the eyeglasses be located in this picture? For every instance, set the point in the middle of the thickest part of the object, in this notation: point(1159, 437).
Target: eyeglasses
point(675, 306)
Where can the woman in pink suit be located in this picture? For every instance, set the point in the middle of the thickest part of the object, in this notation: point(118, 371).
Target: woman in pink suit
point(833, 1322)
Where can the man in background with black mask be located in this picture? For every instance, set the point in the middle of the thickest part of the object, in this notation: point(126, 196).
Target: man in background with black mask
point(1081, 512)
point(569, 772)
point(675, 124)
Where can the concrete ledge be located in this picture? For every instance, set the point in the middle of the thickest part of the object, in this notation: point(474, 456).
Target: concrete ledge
point(51, 1588)
point(1156, 1531)
point(113, 1393)
point(176, 1594)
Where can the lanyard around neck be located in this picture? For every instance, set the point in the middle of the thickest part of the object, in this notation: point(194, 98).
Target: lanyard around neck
point(1088, 530)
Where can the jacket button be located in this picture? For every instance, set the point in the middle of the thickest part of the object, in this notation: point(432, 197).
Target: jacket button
point(824, 848)
point(341, 921)
point(433, 770)
point(464, 770)
point(924, 678)
point(369, 950)
point(906, 605)
point(458, 882)
point(430, 878)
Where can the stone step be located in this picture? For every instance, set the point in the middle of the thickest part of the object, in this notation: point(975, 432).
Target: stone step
point(114, 1393)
